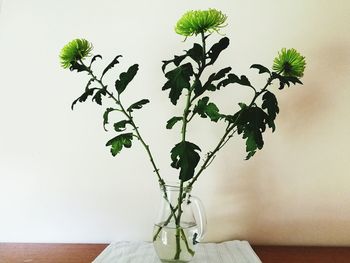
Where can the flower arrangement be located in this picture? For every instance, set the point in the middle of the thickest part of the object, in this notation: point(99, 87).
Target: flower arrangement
point(184, 80)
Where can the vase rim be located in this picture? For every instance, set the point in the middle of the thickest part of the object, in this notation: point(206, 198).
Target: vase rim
point(175, 186)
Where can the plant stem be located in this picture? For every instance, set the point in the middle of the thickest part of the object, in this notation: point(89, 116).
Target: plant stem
point(180, 198)
point(146, 146)
point(183, 131)
point(138, 135)
point(226, 136)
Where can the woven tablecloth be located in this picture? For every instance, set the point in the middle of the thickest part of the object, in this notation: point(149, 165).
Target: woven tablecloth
point(143, 252)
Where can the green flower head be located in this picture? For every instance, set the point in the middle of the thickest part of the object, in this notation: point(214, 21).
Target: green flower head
point(289, 63)
point(75, 50)
point(198, 21)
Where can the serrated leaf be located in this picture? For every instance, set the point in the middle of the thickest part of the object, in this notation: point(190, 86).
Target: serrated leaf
point(125, 78)
point(78, 67)
point(214, 77)
point(252, 123)
point(205, 109)
point(261, 68)
point(137, 105)
point(98, 96)
point(212, 112)
point(285, 80)
point(171, 122)
point(120, 141)
point(254, 141)
point(270, 103)
point(105, 117)
point(219, 75)
point(178, 79)
point(196, 53)
point(185, 157)
point(111, 65)
point(199, 89)
point(216, 49)
point(294, 80)
point(120, 125)
point(177, 60)
point(233, 78)
point(94, 59)
point(88, 92)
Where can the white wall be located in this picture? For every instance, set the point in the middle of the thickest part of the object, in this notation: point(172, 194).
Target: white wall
point(59, 183)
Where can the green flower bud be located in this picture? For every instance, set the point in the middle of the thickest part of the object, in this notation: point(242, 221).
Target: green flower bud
point(289, 63)
point(76, 50)
point(198, 21)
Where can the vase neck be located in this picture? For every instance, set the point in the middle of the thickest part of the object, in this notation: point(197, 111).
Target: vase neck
point(170, 193)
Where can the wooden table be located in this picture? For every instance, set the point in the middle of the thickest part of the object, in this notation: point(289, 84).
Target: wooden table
point(85, 253)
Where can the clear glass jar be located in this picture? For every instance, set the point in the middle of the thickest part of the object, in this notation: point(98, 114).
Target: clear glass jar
point(177, 231)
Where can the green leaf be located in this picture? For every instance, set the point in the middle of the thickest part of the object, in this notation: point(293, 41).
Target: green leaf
point(120, 125)
point(137, 105)
point(250, 154)
point(88, 92)
point(232, 78)
point(178, 79)
point(199, 89)
point(170, 123)
point(261, 68)
point(120, 141)
point(185, 157)
point(252, 123)
point(105, 117)
point(84, 96)
point(270, 103)
point(125, 78)
point(294, 80)
point(78, 67)
point(236, 119)
point(216, 49)
point(94, 58)
point(214, 77)
point(212, 112)
point(98, 96)
point(219, 75)
point(177, 60)
point(254, 141)
point(111, 65)
point(205, 109)
point(285, 80)
point(196, 53)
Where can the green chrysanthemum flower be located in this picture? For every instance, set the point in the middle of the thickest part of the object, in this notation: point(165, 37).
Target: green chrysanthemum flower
point(75, 50)
point(289, 63)
point(197, 22)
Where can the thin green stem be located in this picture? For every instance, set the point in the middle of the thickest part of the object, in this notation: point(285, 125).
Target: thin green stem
point(185, 121)
point(184, 238)
point(227, 136)
point(128, 115)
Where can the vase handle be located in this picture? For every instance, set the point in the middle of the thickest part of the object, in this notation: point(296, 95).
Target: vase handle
point(200, 216)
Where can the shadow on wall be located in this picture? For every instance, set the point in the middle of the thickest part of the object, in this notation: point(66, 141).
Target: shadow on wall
point(251, 193)
point(242, 207)
point(317, 98)
point(252, 206)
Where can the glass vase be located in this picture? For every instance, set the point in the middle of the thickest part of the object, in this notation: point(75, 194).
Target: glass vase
point(181, 224)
